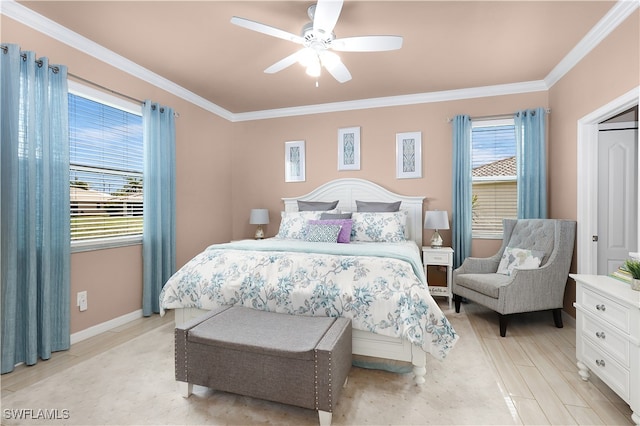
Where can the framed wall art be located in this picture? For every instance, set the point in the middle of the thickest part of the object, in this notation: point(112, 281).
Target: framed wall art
point(294, 163)
point(409, 155)
point(349, 148)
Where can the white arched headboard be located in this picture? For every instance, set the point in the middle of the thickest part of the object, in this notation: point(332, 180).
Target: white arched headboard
point(348, 190)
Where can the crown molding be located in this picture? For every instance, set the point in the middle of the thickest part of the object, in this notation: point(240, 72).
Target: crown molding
point(390, 101)
point(28, 17)
point(609, 22)
point(618, 13)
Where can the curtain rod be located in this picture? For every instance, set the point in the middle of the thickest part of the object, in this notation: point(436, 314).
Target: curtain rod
point(495, 117)
point(122, 95)
point(55, 69)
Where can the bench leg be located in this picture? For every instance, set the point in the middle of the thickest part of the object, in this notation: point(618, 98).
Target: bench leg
point(325, 418)
point(186, 389)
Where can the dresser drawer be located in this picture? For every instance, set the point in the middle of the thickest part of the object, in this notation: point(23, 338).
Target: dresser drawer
point(606, 309)
point(613, 374)
point(607, 339)
point(431, 258)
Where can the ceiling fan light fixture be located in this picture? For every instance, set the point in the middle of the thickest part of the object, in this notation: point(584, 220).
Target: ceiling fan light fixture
point(313, 69)
point(307, 57)
point(329, 59)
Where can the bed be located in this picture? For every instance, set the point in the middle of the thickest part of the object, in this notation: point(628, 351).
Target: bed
point(380, 284)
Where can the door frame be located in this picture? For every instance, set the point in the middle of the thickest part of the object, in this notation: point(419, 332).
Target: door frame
point(587, 213)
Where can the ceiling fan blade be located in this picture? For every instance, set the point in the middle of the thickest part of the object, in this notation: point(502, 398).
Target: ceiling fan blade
point(326, 15)
point(334, 65)
point(367, 43)
point(286, 62)
point(266, 29)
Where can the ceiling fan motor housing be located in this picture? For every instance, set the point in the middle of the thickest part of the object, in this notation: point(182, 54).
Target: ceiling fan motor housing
point(313, 38)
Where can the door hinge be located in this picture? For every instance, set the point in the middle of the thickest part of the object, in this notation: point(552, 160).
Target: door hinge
point(594, 238)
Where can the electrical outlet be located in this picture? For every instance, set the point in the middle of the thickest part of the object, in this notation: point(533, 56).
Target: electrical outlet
point(82, 300)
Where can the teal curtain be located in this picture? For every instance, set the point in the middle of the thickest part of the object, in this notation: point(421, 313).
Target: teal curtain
point(531, 148)
point(159, 229)
point(34, 183)
point(462, 187)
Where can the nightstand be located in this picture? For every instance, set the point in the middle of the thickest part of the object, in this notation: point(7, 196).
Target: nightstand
point(442, 257)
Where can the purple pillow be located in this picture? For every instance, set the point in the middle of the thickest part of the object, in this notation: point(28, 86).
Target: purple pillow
point(345, 232)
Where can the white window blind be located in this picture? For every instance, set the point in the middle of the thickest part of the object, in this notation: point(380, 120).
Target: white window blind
point(494, 194)
point(106, 163)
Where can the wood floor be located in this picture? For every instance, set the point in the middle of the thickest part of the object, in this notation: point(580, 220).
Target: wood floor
point(535, 366)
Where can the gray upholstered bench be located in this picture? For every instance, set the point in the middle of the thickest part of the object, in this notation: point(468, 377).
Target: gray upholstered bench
point(295, 360)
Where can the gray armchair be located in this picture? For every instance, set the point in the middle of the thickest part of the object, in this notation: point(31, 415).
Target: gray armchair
point(525, 290)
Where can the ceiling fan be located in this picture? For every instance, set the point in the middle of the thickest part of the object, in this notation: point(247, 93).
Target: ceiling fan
point(318, 40)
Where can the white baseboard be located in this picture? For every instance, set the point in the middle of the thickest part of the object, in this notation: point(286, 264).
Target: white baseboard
point(105, 326)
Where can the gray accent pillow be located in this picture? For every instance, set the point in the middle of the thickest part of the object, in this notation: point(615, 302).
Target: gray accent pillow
point(330, 216)
point(306, 206)
point(376, 206)
point(322, 233)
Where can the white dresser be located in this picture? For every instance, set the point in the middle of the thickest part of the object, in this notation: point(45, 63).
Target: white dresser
point(608, 335)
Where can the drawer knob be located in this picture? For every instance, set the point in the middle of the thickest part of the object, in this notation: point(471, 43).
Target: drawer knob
point(600, 335)
point(601, 307)
point(600, 362)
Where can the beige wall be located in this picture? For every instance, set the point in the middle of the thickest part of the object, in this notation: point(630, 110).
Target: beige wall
point(609, 71)
point(113, 277)
point(225, 169)
point(261, 148)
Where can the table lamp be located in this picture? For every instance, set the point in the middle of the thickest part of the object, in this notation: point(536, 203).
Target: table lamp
point(436, 219)
point(259, 217)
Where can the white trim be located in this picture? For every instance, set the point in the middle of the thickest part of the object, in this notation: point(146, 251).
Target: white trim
point(78, 246)
point(618, 13)
point(105, 326)
point(587, 207)
point(99, 96)
point(609, 22)
point(418, 98)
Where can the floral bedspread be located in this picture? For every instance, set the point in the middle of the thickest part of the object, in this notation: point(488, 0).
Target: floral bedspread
point(380, 286)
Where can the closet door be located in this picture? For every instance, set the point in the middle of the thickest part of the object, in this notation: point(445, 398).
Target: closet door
point(617, 197)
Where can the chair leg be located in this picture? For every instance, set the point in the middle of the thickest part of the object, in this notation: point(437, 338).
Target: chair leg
point(504, 319)
point(456, 301)
point(557, 317)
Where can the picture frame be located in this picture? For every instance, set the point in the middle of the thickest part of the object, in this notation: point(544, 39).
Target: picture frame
point(294, 161)
point(349, 148)
point(409, 155)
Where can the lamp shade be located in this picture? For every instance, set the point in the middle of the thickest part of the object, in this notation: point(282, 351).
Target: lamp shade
point(436, 219)
point(259, 217)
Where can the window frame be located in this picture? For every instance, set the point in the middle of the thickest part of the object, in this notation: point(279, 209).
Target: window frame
point(95, 95)
point(493, 179)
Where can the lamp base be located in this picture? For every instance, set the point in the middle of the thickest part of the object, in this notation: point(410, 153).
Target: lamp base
point(436, 240)
point(259, 233)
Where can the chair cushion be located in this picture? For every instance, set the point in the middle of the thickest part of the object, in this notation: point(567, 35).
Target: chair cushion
point(487, 284)
point(534, 234)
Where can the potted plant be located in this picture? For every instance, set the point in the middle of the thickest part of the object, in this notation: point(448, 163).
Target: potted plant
point(633, 266)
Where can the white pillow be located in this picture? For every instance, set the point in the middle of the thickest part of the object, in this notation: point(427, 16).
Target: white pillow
point(293, 224)
point(519, 258)
point(379, 227)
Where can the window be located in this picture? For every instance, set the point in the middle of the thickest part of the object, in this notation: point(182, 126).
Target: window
point(494, 180)
point(106, 163)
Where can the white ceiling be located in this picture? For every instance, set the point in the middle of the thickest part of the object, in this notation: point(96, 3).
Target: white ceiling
point(448, 45)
